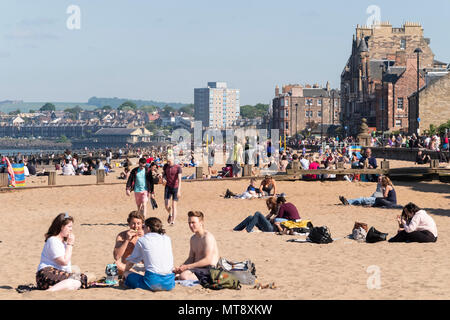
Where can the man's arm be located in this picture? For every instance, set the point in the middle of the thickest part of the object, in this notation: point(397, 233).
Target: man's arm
point(208, 259)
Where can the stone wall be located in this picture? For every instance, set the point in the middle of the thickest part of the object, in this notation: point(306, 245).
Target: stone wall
point(405, 154)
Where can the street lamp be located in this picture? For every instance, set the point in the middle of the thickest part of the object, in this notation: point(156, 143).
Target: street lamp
point(382, 105)
point(418, 51)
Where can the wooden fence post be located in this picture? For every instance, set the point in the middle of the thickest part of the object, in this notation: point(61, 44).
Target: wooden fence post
point(434, 164)
point(384, 164)
point(4, 179)
point(198, 172)
point(100, 176)
point(52, 178)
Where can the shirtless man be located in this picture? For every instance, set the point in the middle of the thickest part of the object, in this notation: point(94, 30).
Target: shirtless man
point(203, 252)
point(126, 240)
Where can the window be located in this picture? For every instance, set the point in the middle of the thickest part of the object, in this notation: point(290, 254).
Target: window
point(309, 114)
point(287, 103)
point(319, 102)
point(309, 102)
point(398, 123)
point(400, 103)
point(403, 44)
point(287, 113)
point(287, 125)
point(319, 114)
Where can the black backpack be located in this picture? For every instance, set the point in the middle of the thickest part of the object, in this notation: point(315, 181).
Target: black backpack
point(373, 235)
point(320, 235)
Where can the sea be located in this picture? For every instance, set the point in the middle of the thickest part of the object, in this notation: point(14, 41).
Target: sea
point(11, 152)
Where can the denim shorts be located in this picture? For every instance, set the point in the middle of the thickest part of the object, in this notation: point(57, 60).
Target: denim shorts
point(171, 192)
point(151, 281)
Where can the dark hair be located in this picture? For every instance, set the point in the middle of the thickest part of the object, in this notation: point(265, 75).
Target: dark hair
point(197, 214)
point(135, 215)
point(142, 160)
point(58, 223)
point(153, 164)
point(295, 156)
point(410, 210)
point(155, 225)
point(281, 200)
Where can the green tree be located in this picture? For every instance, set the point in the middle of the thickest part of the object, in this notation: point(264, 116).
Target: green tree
point(127, 105)
point(189, 110)
point(148, 108)
point(16, 112)
point(48, 107)
point(256, 111)
point(167, 110)
point(63, 139)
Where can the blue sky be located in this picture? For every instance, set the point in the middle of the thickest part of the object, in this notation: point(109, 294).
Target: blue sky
point(163, 50)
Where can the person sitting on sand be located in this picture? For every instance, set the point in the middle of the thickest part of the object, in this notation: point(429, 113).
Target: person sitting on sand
point(267, 186)
point(263, 223)
point(286, 212)
point(126, 240)
point(415, 225)
point(155, 249)
point(389, 198)
point(422, 158)
point(68, 169)
point(365, 201)
point(203, 252)
point(55, 268)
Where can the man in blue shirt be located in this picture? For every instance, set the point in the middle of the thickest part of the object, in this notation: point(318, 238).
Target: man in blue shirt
point(141, 182)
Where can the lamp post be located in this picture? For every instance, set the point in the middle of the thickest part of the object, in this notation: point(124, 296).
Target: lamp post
point(418, 51)
point(382, 105)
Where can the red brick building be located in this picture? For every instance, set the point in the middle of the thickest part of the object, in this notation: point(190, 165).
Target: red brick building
point(381, 74)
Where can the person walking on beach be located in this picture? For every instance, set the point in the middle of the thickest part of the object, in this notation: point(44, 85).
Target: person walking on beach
point(172, 177)
point(155, 249)
point(55, 268)
point(141, 182)
point(203, 252)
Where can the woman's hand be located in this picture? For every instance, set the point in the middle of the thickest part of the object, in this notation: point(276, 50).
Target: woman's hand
point(71, 239)
point(131, 234)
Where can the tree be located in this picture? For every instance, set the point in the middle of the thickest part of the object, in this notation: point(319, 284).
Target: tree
point(13, 113)
point(63, 139)
point(167, 110)
point(48, 107)
point(189, 110)
point(256, 111)
point(106, 108)
point(148, 108)
point(127, 105)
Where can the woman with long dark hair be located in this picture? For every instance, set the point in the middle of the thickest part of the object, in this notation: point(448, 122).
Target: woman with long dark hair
point(415, 225)
point(155, 249)
point(55, 268)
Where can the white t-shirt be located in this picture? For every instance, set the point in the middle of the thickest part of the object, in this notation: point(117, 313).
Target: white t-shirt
point(156, 251)
point(305, 164)
point(422, 221)
point(68, 170)
point(53, 248)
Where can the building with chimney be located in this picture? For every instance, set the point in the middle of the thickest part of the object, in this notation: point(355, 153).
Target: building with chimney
point(298, 107)
point(381, 73)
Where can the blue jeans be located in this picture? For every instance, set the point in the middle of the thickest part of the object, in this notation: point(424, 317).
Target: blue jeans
point(151, 281)
point(363, 201)
point(257, 220)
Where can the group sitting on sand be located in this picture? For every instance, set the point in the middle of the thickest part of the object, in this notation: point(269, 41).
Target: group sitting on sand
point(145, 241)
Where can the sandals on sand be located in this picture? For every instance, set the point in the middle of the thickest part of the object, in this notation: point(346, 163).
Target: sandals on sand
point(259, 286)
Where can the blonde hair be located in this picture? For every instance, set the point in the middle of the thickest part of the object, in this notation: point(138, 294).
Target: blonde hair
point(197, 214)
point(385, 181)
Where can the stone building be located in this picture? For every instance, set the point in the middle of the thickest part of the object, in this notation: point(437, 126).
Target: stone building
point(381, 73)
point(434, 105)
point(296, 108)
point(122, 136)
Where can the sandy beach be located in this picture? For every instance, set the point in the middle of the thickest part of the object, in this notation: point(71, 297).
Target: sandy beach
point(300, 270)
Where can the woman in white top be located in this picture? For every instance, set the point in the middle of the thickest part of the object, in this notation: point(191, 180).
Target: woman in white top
point(55, 269)
point(415, 225)
point(155, 250)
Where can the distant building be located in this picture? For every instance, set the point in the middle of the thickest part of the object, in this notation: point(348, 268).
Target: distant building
point(216, 106)
point(296, 108)
point(434, 105)
point(120, 136)
point(381, 73)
